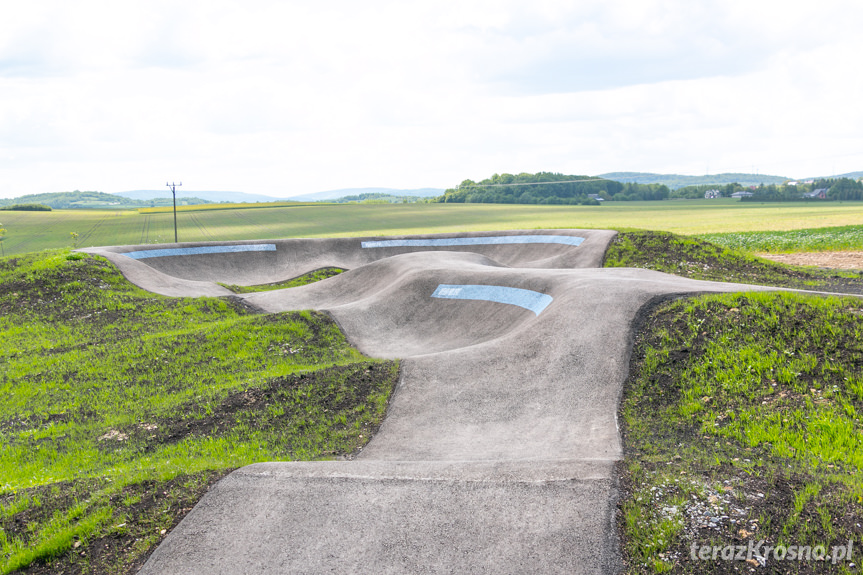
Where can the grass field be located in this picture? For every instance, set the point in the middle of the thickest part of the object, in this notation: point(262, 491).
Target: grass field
point(227, 206)
point(33, 231)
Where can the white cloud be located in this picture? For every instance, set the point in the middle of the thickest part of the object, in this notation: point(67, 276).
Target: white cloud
point(294, 97)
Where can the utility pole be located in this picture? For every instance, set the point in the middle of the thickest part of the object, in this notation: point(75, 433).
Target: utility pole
point(174, 191)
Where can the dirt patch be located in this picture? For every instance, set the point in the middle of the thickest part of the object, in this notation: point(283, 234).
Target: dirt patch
point(743, 511)
point(829, 260)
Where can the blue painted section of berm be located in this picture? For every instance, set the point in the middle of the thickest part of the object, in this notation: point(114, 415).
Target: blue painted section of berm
point(476, 241)
point(164, 252)
point(528, 299)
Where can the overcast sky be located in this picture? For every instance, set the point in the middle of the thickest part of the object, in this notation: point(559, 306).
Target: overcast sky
point(289, 97)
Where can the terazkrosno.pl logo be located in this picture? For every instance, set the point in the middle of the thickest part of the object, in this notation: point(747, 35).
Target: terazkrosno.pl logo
point(761, 552)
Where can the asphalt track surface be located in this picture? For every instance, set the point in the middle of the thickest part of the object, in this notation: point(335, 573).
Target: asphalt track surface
point(498, 450)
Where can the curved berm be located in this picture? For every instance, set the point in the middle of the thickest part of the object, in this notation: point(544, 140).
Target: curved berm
point(497, 454)
point(192, 269)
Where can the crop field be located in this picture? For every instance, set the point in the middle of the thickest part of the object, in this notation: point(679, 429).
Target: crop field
point(807, 240)
point(227, 206)
point(34, 231)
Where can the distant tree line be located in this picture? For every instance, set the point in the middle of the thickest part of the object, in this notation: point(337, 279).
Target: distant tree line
point(550, 188)
point(712, 181)
point(832, 188)
point(697, 192)
point(840, 189)
point(27, 208)
point(379, 198)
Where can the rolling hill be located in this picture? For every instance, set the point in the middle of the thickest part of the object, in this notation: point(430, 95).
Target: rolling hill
point(675, 181)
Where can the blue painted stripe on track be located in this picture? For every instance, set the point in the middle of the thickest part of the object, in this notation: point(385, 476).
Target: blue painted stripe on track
point(143, 254)
point(528, 299)
point(476, 241)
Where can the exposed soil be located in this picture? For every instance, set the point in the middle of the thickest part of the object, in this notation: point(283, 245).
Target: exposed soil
point(826, 260)
point(744, 510)
point(159, 507)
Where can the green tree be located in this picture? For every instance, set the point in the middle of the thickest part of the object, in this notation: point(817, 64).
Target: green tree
point(846, 189)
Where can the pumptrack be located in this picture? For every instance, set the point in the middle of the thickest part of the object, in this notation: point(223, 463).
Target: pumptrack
point(497, 454)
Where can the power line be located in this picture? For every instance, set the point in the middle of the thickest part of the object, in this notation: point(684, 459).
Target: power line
point(540, 183)
point(174, 191)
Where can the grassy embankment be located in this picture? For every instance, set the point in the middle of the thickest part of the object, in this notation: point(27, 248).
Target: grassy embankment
point(33, 231)
point(698, 259)
point(120, 407)
point(741, 420)
point(304, 279)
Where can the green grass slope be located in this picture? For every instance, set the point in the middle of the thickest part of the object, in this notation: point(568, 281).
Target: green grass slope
point(119, 407)
point(741, 421)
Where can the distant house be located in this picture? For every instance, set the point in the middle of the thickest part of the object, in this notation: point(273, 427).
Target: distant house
point(595, 197)
point(742, 194)
point(819, 194)
point(712, 194)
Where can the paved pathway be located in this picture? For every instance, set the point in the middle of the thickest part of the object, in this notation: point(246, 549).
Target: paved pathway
point(498, 451)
